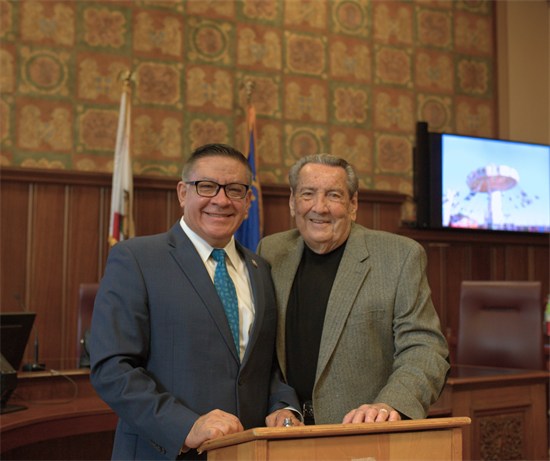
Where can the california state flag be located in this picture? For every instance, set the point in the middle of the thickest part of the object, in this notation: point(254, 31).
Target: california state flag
point(121, 225)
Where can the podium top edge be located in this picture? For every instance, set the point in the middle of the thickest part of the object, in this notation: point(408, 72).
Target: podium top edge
point(334, 430)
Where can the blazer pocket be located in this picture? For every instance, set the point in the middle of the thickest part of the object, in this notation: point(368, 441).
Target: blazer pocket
point(365, 316)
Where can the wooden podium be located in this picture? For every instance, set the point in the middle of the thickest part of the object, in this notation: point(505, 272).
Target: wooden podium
point(426, 439)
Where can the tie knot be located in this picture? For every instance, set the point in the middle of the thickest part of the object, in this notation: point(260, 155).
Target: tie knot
point(218, 255)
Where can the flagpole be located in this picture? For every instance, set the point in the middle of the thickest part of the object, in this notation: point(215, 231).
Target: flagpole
point(249, 86)
point(250, 231)
point(130, 211)
point(121, 226)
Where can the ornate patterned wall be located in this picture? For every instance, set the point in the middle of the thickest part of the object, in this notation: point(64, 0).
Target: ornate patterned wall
point(350, 77)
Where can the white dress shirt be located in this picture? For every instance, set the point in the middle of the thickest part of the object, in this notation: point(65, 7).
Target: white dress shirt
point(236, 266)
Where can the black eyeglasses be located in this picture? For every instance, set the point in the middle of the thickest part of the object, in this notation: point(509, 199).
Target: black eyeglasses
point(233, 191)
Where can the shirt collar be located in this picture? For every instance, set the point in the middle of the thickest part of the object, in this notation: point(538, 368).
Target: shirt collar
point(205, 249)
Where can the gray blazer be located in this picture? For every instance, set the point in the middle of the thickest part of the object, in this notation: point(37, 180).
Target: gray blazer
point(162, 353)
point(381, 340)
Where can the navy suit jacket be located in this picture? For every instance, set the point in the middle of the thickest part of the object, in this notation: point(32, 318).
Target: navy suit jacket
point(162, 353)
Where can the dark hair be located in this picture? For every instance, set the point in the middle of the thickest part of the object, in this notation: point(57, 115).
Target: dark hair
point(352, 181)
point(215, 150)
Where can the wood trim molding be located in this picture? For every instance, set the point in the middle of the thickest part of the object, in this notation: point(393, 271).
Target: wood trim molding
point(38, 175)
point(473, 236)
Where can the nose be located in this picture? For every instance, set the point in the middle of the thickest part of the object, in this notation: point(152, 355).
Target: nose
point(320, 204)
point(220, 198)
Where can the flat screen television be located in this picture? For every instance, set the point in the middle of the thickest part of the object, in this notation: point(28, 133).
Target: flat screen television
point(480, 183)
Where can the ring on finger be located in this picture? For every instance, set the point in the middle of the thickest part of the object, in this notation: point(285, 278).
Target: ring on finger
point(382, 409)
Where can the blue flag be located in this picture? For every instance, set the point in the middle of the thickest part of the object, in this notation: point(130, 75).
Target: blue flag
point(251, 230)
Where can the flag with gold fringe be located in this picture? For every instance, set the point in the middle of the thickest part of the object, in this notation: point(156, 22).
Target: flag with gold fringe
point(121, 226)
point(251, 230)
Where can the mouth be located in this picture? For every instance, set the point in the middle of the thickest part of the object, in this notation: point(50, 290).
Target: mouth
point(318, 221)
point(216, 215)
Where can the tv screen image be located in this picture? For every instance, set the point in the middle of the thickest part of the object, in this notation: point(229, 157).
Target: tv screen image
point(493, 184)
point(482, 184)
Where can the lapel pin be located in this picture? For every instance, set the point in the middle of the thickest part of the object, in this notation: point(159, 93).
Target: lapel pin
point(255, 263)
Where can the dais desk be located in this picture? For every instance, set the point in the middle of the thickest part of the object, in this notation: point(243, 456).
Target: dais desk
point(508, 409)
point(81, 429)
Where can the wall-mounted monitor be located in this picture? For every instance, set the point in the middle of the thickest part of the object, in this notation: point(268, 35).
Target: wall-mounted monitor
point(481, 183)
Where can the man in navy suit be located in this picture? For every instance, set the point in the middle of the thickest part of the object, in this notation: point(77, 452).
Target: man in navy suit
point(163, 354)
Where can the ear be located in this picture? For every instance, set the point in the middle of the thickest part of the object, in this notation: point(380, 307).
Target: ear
point(353, 204)
point(248, 202)
point(182, 192)
point(292, 204)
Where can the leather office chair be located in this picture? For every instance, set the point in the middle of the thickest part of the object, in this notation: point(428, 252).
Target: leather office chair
point(86, 297)
point(500, 325)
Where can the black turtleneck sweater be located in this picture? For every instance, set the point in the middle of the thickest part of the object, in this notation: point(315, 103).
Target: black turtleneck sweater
point(305, 317)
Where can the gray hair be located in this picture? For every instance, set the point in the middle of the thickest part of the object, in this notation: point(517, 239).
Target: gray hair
point(352, 181)
point(215, 150)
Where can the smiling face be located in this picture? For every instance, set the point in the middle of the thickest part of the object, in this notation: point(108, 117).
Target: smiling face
point(214, 219)
point(322, 207)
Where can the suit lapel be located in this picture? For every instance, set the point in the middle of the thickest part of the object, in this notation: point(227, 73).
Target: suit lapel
point(352, 272)
point(283, 273)
point(258, 295)
point(187, 257)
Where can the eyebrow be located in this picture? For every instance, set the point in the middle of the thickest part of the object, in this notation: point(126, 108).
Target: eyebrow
point(311, 188)
point(216, 182)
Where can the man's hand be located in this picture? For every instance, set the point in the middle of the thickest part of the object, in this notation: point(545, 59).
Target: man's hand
point(372, 413)
point(212, 425)
point(277, 418)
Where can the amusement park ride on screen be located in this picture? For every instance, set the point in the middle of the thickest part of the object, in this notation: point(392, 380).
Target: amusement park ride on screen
point(480, 183)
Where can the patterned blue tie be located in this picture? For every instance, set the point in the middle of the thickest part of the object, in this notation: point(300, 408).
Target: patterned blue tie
point(227, 293)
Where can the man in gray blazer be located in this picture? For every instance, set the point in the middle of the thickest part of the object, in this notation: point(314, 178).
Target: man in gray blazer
point(163, 353)
point(358, 336)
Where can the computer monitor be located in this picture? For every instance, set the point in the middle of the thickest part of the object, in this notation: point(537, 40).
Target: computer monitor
point(15, 328)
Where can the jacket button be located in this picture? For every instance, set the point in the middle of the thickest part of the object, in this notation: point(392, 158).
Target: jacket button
point(157, 447)
point(241, 381)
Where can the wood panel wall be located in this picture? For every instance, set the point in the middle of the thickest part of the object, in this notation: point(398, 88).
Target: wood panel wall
point(455, 255)
point(54, 228)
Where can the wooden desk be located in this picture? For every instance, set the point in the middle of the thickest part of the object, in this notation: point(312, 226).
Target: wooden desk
point(508, 409)
point(82, 429)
